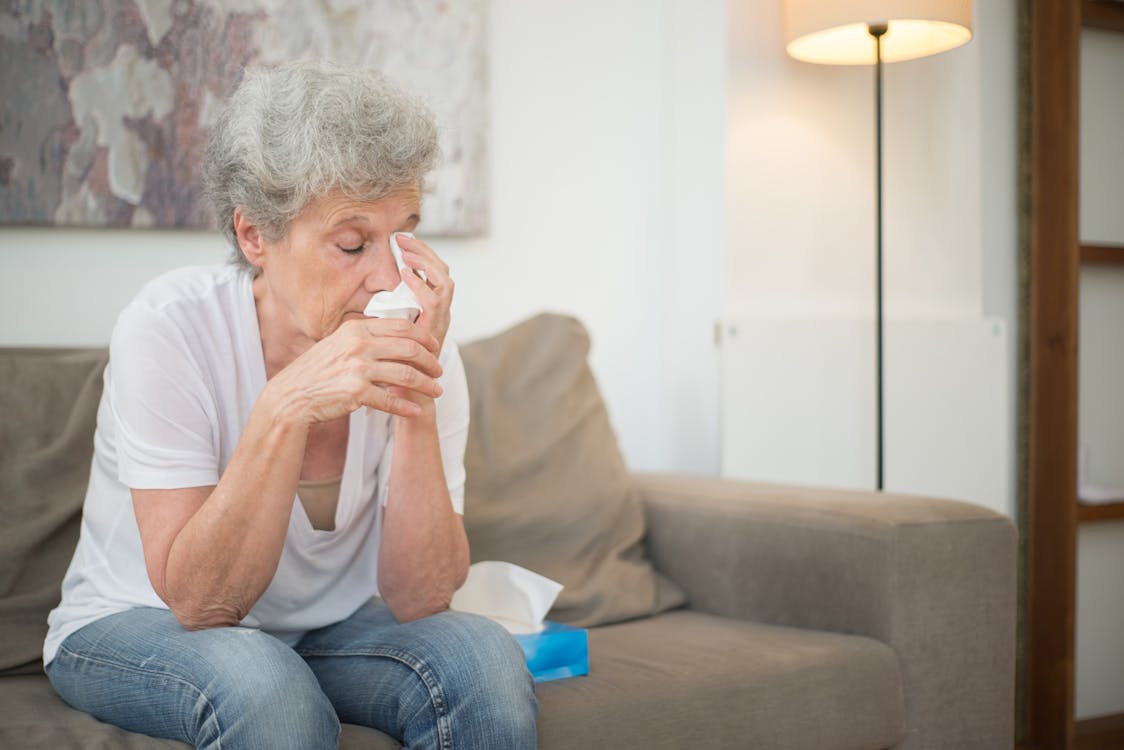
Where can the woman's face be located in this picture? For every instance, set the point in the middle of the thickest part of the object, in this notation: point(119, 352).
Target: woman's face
point(335, 256)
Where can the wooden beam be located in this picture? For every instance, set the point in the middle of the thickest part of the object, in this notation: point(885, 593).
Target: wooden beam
point(1055, 32)
point(1093, 512)
point(1101, 733)
point(1102, 253)
point(1103, 14)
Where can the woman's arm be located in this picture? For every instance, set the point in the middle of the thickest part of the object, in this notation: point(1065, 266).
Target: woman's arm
point(211, 552)
point(423, 552)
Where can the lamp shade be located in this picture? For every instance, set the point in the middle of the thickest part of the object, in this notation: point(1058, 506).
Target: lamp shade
point(834, 32)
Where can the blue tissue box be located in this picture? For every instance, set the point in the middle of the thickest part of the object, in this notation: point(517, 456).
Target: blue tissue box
point(557, 651)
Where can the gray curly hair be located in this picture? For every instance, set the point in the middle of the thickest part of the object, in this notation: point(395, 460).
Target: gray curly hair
point(297, 131)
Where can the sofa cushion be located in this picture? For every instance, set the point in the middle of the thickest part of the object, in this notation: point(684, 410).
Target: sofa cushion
point(33, 716)
point(547, 487)
point(680, 679)
point(48, 399)
point(687, 679)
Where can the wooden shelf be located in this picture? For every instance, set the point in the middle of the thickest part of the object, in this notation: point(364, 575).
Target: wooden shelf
point(1102, 253)
point(1101, 733)
point(1093, 512)
point(1103, 14)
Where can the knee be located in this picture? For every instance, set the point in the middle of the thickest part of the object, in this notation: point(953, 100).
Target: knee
point(268, 694)
point(272, 698)
point(492, 654)
point(500, 689)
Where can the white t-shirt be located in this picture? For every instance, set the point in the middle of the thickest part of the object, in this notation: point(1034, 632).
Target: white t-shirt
point(185, 370)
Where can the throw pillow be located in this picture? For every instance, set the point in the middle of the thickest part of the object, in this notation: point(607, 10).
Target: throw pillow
point(49, 399)
point(547, 487)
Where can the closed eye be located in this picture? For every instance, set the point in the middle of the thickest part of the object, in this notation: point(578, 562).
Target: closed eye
point(352, 250)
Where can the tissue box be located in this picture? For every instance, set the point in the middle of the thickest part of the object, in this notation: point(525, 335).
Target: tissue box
point(555, 652)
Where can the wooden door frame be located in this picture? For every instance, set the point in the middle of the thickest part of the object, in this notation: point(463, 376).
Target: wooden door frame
point(1050, 261)
point(1051, 241)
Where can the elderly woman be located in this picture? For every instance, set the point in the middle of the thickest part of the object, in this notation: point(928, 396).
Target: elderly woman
point(272, 531)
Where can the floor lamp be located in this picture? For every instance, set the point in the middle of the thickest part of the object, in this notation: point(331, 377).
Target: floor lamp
point(871, 32)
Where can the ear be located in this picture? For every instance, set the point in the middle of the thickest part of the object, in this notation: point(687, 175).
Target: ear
point(249, 239)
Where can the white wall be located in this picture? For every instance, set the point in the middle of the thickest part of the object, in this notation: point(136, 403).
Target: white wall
point(1099, 657)
point(606, 142)
point(1100, 552)
point(1102, 118)
point(800, 193)
point(802, 391)
point(996, 27)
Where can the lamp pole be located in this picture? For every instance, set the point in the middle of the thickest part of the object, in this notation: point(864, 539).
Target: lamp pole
point(876, 30)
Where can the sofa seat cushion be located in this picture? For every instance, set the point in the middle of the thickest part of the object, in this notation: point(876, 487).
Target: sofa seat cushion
point(33, 716)
point(686, 679)
point(680, 679)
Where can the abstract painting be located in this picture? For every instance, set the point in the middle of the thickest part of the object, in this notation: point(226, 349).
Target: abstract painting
point(105, 105)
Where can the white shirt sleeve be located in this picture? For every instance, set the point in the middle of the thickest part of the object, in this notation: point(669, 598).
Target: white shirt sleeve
point(164, 413)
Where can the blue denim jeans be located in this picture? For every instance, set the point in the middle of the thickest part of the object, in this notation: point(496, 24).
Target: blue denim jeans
point(452, 680)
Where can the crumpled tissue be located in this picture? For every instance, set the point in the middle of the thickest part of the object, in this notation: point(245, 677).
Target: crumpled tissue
point(514, 597)
point(399, 302)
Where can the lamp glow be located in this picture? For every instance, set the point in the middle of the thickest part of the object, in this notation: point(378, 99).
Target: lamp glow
point(852, 44)
point(834, 32)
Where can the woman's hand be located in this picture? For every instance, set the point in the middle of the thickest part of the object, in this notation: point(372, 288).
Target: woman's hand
point(384, 364)
point(435, 292)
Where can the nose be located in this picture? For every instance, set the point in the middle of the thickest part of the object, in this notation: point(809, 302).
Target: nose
point(381, 272)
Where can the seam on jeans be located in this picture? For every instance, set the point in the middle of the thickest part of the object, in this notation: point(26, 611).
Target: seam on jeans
point(419, 667)
point(151, 673)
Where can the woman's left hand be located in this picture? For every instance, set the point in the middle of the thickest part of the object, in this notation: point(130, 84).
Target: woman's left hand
point(435, 292)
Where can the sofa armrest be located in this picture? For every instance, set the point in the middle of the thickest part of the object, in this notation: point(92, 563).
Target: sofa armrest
point(934, 579)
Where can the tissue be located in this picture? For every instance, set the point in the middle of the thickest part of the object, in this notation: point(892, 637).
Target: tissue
point(400, 302)
point(519, 599)
point(515, 597)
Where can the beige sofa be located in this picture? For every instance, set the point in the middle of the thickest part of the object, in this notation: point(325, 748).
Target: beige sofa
point(722, 614)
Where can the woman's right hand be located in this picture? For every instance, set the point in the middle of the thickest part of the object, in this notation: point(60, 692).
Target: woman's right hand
point(360, 364)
